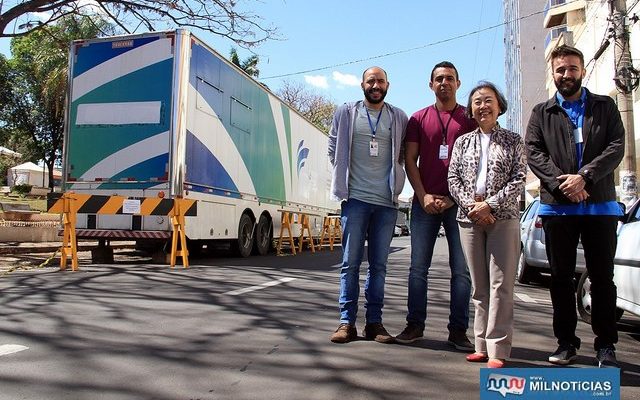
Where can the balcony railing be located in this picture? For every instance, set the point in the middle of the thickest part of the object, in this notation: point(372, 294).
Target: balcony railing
point(553, 3)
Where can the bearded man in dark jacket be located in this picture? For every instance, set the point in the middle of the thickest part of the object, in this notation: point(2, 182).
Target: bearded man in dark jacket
point(574, 142)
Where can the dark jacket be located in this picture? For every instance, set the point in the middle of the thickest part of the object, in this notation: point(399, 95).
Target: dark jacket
point(551, 149)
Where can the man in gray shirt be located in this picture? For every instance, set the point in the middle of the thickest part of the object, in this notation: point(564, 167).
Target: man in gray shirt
point(365, 151)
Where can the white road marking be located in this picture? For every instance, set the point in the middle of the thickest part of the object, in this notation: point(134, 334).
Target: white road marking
point(525, 298)
point(11, 348)
point(630, 373)
point(528, 299)
point(258, 287)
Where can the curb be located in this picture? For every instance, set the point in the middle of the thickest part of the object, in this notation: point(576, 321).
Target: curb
point(51, 249)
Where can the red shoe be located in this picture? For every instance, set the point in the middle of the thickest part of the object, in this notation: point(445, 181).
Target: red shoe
point(477, 357)
point(495, 363)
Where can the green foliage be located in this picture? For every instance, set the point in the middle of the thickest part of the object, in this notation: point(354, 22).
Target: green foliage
point(249, 65)
point(35, 86)
point(22, 189)
point(5, 164)
point(317, 108)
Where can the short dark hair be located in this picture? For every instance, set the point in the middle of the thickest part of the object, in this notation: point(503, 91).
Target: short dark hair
point(444, 64)
point(365, 71)
point(502, 101)
point(564, 50)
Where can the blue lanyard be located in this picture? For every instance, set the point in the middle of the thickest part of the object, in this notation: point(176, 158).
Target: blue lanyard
point(373, 129)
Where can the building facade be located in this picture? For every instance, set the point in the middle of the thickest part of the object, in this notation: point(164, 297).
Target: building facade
point(524, 60)
point(588, 25)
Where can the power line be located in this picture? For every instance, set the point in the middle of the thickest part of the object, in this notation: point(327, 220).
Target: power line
point(393, 53)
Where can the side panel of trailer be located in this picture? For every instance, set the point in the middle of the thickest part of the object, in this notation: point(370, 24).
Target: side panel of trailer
point(162, 114)
point(249, 150)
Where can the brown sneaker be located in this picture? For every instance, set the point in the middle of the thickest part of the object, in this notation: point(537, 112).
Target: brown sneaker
point(344, 334)
point(410, 334)
point(377, 332)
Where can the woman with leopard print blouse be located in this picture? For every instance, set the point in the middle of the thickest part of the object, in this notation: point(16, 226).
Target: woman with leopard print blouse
point(486, 177)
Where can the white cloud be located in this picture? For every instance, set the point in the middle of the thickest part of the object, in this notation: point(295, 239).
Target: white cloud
point(42, 16)
point(317, 81)
point(346, 79)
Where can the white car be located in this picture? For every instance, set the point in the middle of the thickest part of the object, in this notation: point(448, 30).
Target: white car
point(533, 252)
point(626, 274)
point(397, 231)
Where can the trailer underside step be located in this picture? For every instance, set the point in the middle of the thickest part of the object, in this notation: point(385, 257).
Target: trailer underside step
point(121, 234)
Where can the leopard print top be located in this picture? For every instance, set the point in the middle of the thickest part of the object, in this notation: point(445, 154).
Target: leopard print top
point(506, 172)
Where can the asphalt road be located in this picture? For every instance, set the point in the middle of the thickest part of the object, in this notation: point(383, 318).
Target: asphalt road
point(255, 328)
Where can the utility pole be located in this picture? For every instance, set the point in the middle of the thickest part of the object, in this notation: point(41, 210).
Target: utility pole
point(626, 80)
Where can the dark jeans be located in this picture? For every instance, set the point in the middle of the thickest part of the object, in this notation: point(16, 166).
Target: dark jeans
point(599, 240)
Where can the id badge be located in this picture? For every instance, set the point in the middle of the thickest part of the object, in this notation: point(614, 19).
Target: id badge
point(577, 135)
point(373, 148)
point(444, 152)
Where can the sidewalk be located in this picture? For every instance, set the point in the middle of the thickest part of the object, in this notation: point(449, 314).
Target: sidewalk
point(14, 248)
point(16, 256)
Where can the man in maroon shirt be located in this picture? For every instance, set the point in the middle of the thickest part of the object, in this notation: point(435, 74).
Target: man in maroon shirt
point(431, 133)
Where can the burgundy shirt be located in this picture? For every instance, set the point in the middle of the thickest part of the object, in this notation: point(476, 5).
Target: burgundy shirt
point(426, 129)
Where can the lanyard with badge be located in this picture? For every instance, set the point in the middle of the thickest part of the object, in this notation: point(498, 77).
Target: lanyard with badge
point(373, 145)
point(443, 152)
point(575, 111)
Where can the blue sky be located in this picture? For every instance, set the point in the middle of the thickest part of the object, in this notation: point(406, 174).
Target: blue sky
point(343, 32)
point(406, 38)
point(415, 34)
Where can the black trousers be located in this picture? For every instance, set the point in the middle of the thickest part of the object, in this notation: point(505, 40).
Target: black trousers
point(599, 240)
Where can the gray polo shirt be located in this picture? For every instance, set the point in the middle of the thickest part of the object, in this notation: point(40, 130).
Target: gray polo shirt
point(369, 175)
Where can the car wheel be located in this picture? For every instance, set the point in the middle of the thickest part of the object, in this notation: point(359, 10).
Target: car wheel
point(525, 273)
point(264, 236)
point(584, 299)
point(244, 243)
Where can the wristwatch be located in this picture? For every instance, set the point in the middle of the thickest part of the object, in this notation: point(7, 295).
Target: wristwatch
point(586, 175)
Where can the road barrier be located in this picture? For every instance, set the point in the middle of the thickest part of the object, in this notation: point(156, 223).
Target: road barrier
point(70, 204)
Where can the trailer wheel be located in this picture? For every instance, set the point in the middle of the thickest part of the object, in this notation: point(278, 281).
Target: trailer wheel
point(264, 236)
point(244, 243)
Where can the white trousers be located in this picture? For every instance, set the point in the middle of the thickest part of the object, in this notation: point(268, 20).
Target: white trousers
point(492, 253)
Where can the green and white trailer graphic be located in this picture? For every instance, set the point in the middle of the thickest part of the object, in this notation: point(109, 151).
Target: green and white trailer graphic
point(163, 114)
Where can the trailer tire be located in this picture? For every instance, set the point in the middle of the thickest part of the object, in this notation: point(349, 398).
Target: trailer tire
point(263, 236)
point(244, 243)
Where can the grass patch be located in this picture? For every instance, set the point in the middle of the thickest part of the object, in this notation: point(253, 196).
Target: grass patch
point(37, 203)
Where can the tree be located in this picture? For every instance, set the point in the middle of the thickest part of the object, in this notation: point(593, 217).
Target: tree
point(249, 65)
point(10, 137)
point(220, 17)
point(37, 77)
point(315, 107)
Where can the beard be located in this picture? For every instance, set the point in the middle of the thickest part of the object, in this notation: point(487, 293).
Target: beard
point(369, 92)
point(568, 86)
point(445, 96)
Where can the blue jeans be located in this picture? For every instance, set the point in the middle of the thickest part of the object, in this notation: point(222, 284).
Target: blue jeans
point(424, 232)
point(374, 223)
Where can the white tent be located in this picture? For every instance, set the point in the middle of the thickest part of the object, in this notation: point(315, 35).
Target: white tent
point(30, 174)
point(9, 153)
